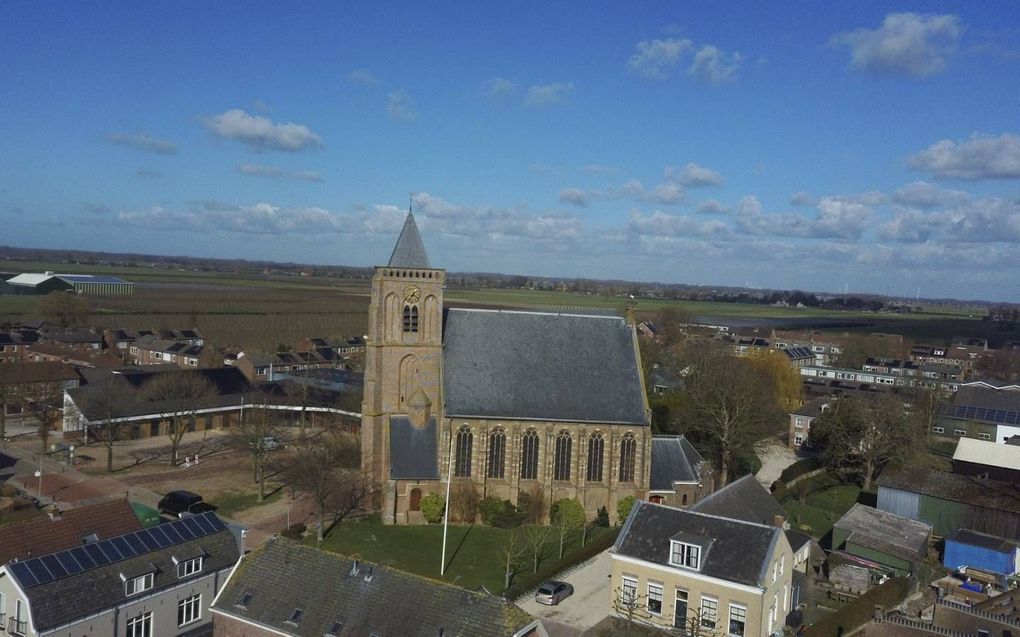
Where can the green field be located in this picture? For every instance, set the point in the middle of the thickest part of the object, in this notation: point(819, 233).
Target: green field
point(824, 502)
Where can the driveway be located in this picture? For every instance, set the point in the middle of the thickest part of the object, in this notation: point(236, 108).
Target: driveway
point(774, 456)
point(586, 607)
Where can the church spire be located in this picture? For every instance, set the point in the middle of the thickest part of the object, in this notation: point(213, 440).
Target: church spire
point(409, 251)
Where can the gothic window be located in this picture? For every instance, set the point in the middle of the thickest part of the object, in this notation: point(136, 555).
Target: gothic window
point(561, 467)
point(628, 447)
point(462, 466)
point(497, 453)
point(595, 448)
point(529, 455)
point(410, 318)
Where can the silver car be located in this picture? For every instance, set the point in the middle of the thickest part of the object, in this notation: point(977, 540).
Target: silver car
point(553, 592)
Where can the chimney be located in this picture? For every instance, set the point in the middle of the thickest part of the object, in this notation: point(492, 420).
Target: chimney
point(628, 313)
point(779, 521)
point(354, 568)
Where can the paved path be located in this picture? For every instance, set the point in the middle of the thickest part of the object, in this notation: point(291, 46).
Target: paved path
point(586, 607)
point(775, 456)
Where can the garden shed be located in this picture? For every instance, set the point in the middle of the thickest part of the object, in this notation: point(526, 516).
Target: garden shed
point(897, 544)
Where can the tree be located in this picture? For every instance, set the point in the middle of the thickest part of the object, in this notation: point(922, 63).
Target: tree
point(210, 357)
point(45, 401)
point(65, 309)
point(925, 405)
point(624, 506)
point(6, 394)
point(857, 348)
point(631, 607)
point(785, 378)
point(321, 471)
point(538, 543)
point(106, 403)
point(511, 555)
point(255, 435)
point(866, 434)
point(432, 508)
point(177, 395)
point(1000, 364)
point(734, 404)
point(567, 517)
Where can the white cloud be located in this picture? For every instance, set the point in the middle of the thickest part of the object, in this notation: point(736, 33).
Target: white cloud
point(801, 198)
point(978, 157)
point(921, 194)
point(400, 107)
point(653, 58)
point(905, 44)
point(662, 224)
point(713, 207)
point(492, 222)
point(693, 176)
point(500, 89)
point(714, 67)
point(261, 133)
point(275, 172)
point(574, 196)
point(837, 218)
point(598, 169)
point(547, 94)
point(986, 220)
point(144, 142)
point(363, 77)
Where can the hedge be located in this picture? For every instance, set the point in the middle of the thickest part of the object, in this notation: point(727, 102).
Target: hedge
point(799, 468)
point(851, 617)
point(528, 581)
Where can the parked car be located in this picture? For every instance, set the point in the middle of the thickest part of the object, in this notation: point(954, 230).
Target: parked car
point(183, 503)
point(553, 592)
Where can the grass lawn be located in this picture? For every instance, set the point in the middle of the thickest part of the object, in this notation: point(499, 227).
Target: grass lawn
point(472, 552)
point(825, 501)
point(233, 501)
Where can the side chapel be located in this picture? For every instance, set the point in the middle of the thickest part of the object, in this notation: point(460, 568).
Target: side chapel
point(517, 401)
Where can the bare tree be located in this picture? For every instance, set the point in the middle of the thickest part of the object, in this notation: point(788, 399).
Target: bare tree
point(630, 606)
point(177, 395)
point(568, 516)
point(511, 555)
point(322, 470)
point(45, 401)
point(538, 544)
point(107, 403)
point(255, 434)
point(65, 309)
point(6, 394)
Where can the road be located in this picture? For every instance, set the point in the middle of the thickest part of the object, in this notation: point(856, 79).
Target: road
point(588, 605)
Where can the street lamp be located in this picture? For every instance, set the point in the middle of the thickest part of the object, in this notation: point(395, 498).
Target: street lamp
point(38, 474)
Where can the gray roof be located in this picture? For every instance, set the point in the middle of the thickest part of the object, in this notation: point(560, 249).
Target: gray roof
point(737, 552)
point(62, 598)
point(885, 532)
point(674, 459)
point(970, 490)
point(409, 252)
point(742, 499)
point(813, 407)
point(412, 450)
point(541, 366)
point(283, 576)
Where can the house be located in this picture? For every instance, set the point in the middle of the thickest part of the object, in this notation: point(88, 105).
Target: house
point(78, 355)
point(878, 378)
point(258, 366)
point(881, 540)
point(23, 384)
point(677, 568)
point(982, 551)
point(90, 284)
point(82, 338)
point(950, 502)
point(802, 417)
point(984, 409)
point(67, 529)
point(526, 400)
point(149, 350)
point(158, 581)
point(799, 356)
point(13, 344)
point(680, 476)
point(287, 588)
point(989, 459)
point(963, 356)
point(121, 339)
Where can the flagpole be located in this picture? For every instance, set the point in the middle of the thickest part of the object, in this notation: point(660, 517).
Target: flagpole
point(446, 512)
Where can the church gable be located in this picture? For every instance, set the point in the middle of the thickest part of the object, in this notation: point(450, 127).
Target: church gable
point(541, 366)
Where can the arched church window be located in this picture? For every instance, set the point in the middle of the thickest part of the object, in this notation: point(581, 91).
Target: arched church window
point(595, 448)
point(462, 466)
point(628, 449)
point(529, 455)
point(561, 466)
point(410, 318)
point(497, 454)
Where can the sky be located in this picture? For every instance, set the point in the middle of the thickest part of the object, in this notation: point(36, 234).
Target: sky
point(859, 146)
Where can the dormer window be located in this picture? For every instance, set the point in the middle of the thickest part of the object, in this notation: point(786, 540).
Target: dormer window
point(295, 617)
point(137, 585)
point(685, 555)
point(244, 599)
point(186, 568)
point(335, 629)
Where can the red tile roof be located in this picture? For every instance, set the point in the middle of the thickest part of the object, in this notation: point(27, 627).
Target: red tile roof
point(45, 535)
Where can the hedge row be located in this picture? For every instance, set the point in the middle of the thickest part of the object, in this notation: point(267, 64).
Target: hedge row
point(851, 617)
point(528, 581)
point(799, 468)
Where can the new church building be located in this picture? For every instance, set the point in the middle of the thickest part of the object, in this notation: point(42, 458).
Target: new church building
point(551, 404)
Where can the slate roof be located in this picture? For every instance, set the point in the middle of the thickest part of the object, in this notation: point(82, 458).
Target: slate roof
point(674, 459)
point(541, 366)
point(985, 541)
point(282, 576)
point(797, 539)
point(742, 499)
point(812, 408)
point(798, 353)
point(886, 532)
point(738, 551)
point(413, 453)
point(409, 251)
point(970, 490)
point(70, 598)
point(37, 372)
point(44, 535)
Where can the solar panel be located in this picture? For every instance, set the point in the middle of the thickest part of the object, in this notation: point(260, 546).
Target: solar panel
point(151, 544)
point(135, 543)
point(172, 533)
point(158, 533)
point(54, 566)
point(184, 531)
point(122, 546)
point(39, 571)
point(96, 553)
point(20, 570)
point(83, 558)
point(205, 524)
point(192, 525)
point(70, 564)
point(112, 554)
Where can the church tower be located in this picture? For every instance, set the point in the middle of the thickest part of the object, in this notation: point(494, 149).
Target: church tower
point(403, 355)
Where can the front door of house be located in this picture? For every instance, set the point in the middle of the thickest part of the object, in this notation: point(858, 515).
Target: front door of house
point(680, 610)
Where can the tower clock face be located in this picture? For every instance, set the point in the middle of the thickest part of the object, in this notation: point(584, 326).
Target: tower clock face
point(412, 294)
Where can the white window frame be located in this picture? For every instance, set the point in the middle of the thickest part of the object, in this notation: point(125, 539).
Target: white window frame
point(736, 609)
point(798, 422)
point(628, 589)
point(938, 430)
point(709, 620)
point(798, 439)
point(186, 568)
point(782, 564)
point(984, 436)
point(654, 597)
point(140, 626)
point(189, 610)
point(690, 555)
point(960, 432)
point(138, 585)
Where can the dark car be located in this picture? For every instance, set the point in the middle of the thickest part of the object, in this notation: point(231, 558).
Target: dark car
point(553, 592)
point(178, 503)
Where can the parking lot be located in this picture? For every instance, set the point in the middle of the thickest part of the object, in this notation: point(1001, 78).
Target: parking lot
point(586, 607)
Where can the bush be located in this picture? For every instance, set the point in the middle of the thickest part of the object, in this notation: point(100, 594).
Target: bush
point(295, 532)
point(602, 517)
point(531, 506)
point(779, 491)
point(801, 467)
point(624, 506)
point(432, 507)
point(464, 501)
point(500, 513)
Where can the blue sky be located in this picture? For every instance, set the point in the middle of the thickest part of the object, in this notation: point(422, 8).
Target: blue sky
point(794, 145)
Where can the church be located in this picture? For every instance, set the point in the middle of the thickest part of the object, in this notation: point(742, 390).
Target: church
point(551, 404)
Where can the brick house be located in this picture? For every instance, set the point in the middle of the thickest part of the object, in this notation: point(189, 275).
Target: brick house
point(801, 419)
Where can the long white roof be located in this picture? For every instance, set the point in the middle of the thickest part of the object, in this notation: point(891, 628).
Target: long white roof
point(29, 278)
point(989, 453)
